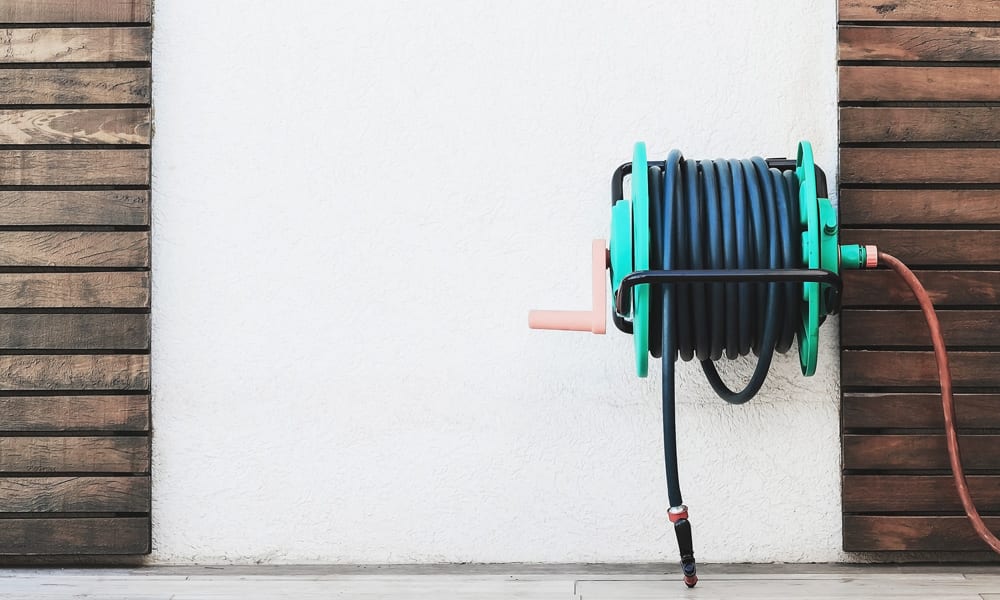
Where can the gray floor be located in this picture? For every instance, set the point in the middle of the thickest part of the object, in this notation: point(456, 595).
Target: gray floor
point(590, 582)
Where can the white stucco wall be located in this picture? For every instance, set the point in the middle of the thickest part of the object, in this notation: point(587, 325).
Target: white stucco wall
point(356, 203)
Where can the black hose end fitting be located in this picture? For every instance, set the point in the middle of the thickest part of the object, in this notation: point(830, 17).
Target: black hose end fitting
point(682, 529)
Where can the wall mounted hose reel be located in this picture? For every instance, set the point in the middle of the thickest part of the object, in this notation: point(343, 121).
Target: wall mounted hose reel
point(720, 258)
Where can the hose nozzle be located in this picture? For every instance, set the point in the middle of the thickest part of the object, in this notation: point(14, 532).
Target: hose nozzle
point(682, 528)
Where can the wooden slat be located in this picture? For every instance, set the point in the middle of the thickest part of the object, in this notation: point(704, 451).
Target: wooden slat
point(74, 167)
point(916, 410)
point(74, 413)
point(74, 290)
point(931, 247)
point(915, 207)
point(912, 493)
point(871, 83)
point(46, 207)
point(74, 332)
point(919, 10)
point(920, 43)
point(920, 165)
point(885, 368)
point(121, 535)
point(75, 86)
point(75, 126)
point(107, 454)
point(75, 11)
point(918, 451)
point(908, 328)
point(884, 288)
point(864, 533)
point(74, 372)
point(74, 248)
point(921, 124)
point(74, 494)
point(76, 44)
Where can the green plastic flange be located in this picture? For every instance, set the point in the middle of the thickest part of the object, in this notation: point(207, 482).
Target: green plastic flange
point(808, 334)
point(820, 250)
point(640, 241)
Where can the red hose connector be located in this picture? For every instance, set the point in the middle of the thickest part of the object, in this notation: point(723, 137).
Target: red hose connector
point(676, 513)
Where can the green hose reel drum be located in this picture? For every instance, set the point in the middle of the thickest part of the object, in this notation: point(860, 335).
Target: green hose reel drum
point(630, 246)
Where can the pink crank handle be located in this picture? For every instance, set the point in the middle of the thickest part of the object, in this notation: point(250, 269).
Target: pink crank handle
point(594, 320)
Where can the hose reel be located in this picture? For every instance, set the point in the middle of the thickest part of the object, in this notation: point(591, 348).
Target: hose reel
point(711, 259)
point(630, 242)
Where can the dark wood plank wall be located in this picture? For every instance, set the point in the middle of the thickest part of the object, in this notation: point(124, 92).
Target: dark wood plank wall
point(920, 177)
point(75, 127)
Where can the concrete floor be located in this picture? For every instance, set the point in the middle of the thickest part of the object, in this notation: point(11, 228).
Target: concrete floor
point(590, 582)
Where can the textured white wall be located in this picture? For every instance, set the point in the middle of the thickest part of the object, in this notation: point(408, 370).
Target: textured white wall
point(356, 203)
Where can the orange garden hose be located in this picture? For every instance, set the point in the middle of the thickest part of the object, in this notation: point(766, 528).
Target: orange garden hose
point(947, 399)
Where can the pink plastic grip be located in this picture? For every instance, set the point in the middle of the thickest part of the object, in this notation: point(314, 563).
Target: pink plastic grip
point(594, 320)
point(871, 257)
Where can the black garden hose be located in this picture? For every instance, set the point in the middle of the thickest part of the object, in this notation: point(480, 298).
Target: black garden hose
point(719, 215)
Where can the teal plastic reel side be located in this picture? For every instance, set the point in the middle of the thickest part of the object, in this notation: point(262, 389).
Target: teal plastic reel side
point(820, 250)
point(640, 237)
point(629, 249)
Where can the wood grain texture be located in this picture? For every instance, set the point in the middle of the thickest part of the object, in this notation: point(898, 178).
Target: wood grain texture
point(879, 83)
point(74, 290)
point(106, 454)
point(908, 493)
point(899, 410)
point(74, 413)
point(74, 441)
point(920, 165)
point(74, 167)
point(946, 288)
point(908, 328)
point(75, 126)
point(896, 124)
point(928, 247)
point(915, 207)
point(74, 248)
point(918, 451)
point(121, 535)
point(919, 43)
point(75, 11)
point(863, 533)
point(75, 86)
point(888, 368)
point(70, 494)
point(74, 332)
point(64, 207)
point(74, 372)
point(75, 44)
point(926, 79)
point(919, 10)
